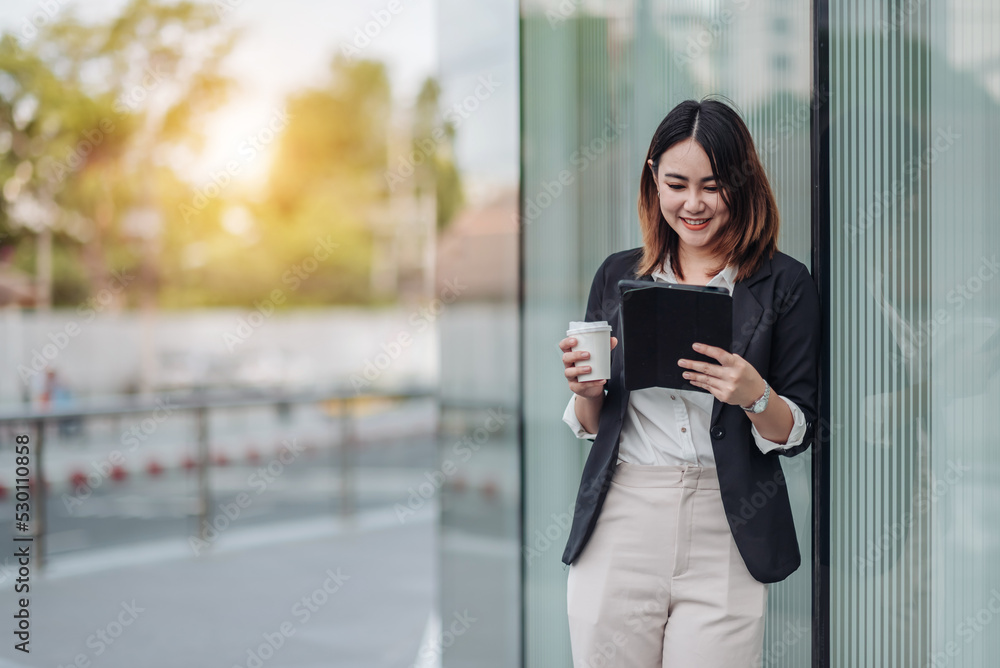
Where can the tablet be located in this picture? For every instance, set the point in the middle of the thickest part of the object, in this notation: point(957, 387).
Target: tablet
point(660, 321)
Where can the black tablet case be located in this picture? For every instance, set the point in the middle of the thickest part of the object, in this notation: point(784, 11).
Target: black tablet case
point(660, 321)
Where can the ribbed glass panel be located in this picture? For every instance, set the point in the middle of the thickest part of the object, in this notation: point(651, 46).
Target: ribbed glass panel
point(915, 145)
point(597, 78)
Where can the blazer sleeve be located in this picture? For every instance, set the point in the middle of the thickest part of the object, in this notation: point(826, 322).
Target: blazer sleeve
point(596, 308)
point(795, 347)
point(595, 311)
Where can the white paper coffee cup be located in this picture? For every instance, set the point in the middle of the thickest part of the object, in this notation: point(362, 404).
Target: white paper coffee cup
point(595, 338)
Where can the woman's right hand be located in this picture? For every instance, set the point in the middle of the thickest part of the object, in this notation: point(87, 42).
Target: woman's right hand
point(590, 389)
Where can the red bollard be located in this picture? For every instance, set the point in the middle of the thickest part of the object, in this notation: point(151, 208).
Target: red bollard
point(77, 479)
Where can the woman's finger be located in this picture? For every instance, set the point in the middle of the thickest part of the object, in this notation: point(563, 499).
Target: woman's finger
point(699, 378)
point(580, 384)
point(570, 358)
point(706, 368)
point(712, 351)
point(704, 383)
point(567, 344)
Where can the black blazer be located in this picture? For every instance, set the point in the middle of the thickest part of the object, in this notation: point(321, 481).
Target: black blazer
point(776, 327)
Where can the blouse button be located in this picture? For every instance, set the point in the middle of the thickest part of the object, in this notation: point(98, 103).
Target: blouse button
point(683, 429)
point(672, 396)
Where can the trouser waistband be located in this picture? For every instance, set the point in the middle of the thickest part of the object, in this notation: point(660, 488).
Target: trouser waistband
point(688, 476)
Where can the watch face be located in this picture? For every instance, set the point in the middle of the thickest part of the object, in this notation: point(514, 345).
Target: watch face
point(761, 404)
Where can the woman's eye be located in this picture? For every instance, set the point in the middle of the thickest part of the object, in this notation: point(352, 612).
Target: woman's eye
point(675, 186)
point(711, 189)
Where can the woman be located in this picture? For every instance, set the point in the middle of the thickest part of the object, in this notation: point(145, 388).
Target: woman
point(682, 506)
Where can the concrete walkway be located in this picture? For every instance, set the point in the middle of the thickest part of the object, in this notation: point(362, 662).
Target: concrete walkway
point(299, 594)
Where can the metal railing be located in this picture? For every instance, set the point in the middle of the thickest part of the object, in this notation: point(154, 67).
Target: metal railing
point(200, 404)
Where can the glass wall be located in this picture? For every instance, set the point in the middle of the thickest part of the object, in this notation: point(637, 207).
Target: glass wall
point(597, 78)
point(479, 621)
point(915, 310)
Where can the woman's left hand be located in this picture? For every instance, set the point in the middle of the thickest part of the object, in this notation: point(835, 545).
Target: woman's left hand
point(732, 381)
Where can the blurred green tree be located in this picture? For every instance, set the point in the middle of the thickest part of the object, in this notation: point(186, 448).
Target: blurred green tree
point(434, 136)
point(337, 136)
point(86, 111)
point(325, 184)
point(94, 115)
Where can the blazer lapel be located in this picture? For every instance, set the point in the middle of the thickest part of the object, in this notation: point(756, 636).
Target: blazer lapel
point(748, 306)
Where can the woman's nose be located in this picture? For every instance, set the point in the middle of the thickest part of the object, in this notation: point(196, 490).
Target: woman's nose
point(693, 202)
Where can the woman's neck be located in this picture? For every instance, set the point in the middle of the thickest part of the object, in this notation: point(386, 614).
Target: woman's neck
point(697, 268)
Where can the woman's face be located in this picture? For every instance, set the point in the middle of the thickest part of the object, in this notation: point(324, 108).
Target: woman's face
point(689, 196)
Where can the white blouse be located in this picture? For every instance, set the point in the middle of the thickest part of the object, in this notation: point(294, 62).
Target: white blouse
point(671, 427)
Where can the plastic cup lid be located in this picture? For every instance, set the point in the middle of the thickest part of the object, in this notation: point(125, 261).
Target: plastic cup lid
point(584, 327)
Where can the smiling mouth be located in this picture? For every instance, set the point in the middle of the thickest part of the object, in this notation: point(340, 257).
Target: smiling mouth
point(695, 223)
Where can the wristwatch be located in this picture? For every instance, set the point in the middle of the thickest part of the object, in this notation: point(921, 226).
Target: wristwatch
point(759, 405)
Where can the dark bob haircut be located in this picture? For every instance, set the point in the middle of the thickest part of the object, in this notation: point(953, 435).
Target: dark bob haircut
point(751, 234)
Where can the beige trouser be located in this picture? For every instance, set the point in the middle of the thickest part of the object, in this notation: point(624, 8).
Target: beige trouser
point(661, 582)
